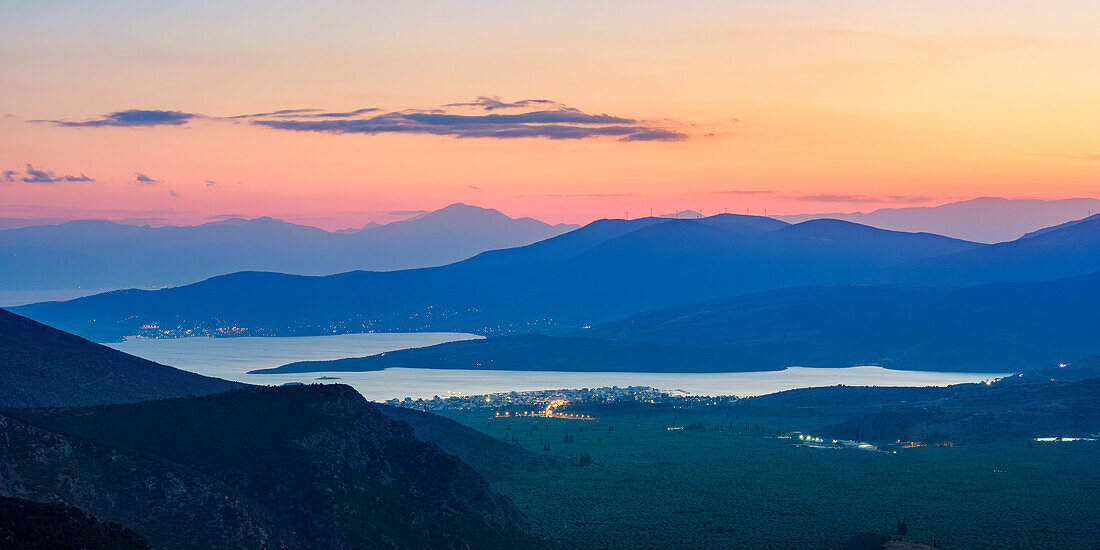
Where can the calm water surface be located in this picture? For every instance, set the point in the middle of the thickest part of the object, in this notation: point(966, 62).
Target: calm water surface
point(230, 358)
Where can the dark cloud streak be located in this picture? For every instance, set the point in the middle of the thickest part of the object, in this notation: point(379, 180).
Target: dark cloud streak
point(144, 179)
point(532, 118)
point(132, 118)
point(37, 175)
point(862, 198)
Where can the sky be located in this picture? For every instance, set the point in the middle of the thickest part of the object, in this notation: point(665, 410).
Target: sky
point(336, 113)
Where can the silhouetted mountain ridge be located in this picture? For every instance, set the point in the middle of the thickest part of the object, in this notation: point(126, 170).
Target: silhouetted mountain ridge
point(606, 270)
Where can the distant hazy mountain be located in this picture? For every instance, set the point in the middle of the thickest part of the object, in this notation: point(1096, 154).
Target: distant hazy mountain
point(295, 467)
point(15, 223)
point(44, 367)
point(104, 254)
point(606, 270)
point(985, 220)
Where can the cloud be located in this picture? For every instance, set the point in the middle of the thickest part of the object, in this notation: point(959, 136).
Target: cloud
point(490, 103)
point(172, 193)
point(474, 187)
point(485, 117)
point(911, 199)
point(144, 179)
point(578, 195)
point(744, 192)
point(408, 212)
point(551, 120)
point(211, 183)
point(320, 113)
point(131, 118)
point(37, 175)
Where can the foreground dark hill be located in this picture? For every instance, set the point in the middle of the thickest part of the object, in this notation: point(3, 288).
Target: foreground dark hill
point(41, 366)
point(990, 328)
point(328, 467)
point(104, 254)
point(171, 505)
point(595, 274)
point(30, 525)
point(492, 458)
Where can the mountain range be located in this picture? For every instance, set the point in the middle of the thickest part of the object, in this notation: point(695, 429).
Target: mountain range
point(725, 292)
point(603, 271)
point(102, 254)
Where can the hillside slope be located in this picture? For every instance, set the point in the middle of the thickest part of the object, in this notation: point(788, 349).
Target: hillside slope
point(320, 458)
point(41, 366)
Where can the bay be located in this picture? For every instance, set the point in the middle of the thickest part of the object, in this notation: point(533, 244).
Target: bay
point(231, 358)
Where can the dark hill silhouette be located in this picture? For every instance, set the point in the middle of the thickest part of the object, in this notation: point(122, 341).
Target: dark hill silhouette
point(537, 352)
point(991, 328)
point(1060, 226)
point(321, 460)
point(42, 366)
point(595, 274)
point(1072, 249)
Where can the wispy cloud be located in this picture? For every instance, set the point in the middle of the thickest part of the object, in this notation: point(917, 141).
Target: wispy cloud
point(318, 113)
point(537, 124)
point(37, 175)
point(906, 199)
point(485, 117)
point(490, 103)
point(132, 118)
point(408, 212)
point(578, 195)
point(744, 192)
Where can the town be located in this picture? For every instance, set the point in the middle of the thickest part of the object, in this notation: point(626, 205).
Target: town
point(565, 403)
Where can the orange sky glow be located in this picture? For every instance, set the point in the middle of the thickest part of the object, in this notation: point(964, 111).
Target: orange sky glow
point(735, 106)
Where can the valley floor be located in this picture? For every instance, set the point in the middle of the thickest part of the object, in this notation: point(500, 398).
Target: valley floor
point(733, 484)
